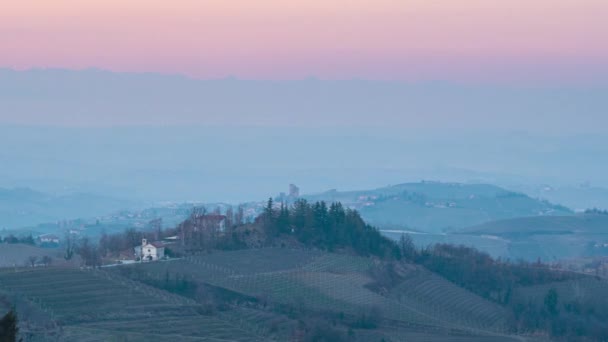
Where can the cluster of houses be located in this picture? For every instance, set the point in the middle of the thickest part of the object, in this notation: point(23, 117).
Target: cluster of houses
point(48, 239)
point(152, 250)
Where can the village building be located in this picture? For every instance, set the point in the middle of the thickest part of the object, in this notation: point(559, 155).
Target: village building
point(171, 239)
point(48, 238)
point(149, 251)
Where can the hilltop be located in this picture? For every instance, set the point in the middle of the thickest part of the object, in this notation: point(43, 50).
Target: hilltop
point(436, 207)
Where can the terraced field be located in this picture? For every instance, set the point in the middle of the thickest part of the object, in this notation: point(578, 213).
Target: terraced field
point(424, 303)
point(95, 305)
point(437, 297)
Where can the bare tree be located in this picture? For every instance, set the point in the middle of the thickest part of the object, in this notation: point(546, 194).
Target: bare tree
point(47, 260)
point(157, 227)
point(239, 217)
point(133, 237)
point(69, 246)
point(229, 218)
point(89, 253)
point(104, 243)
point(32, 260)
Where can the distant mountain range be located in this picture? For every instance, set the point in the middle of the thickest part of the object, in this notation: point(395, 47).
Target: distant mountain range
point(21, 207)
point(440, 207)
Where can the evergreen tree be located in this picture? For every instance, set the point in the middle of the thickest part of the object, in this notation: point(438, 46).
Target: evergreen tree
point(327, 227)
point(551, 301)
point(8, 327)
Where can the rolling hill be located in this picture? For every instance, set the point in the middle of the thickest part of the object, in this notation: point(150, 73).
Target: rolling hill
point(22, 207)
point(60, 301)
point(544, 225)
point(438, 207)
point(545, 237)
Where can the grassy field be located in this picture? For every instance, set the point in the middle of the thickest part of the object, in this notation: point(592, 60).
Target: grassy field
point(16, 255)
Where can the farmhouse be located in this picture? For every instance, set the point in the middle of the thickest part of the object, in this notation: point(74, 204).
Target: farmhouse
point(48, 238)
point(149, 251)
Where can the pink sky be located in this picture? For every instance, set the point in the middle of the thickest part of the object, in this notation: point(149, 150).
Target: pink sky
point(461, 40)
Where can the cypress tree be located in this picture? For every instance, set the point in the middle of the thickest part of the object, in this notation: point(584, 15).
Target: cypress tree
point(8, 327)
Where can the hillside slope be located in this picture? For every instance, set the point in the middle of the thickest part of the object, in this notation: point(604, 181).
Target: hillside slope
point(77, 305)
point(545, 237)
point(424, 307)
point(544, 225)
point(436, 207)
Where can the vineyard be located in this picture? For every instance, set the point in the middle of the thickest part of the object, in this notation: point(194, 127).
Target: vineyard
point(443, 300)
point(424, 303)
point(121, 304)
point(95, 305)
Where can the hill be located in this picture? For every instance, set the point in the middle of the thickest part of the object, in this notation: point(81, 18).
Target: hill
point(76, 305)
point(300, 281)
point(249, 295)
point(437, 207)
point(544, 225)
point(307, 272)
point(546, 237)
point(21, 207)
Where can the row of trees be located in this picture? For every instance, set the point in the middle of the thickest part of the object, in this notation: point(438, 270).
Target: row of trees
point(45, 260)
point(89, 252)
point(478, 272)
point(28, 239)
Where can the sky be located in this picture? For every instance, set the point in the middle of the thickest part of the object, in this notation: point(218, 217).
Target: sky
point(95, 95)
point(515, 41)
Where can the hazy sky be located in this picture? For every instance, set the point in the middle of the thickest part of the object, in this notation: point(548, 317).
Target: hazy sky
point(459, 40)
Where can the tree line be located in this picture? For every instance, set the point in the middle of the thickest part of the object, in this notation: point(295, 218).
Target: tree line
point(27, 239)
point(329, 227)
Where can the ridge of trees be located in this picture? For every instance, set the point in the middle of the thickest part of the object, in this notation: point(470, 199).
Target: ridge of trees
point(326, 227)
